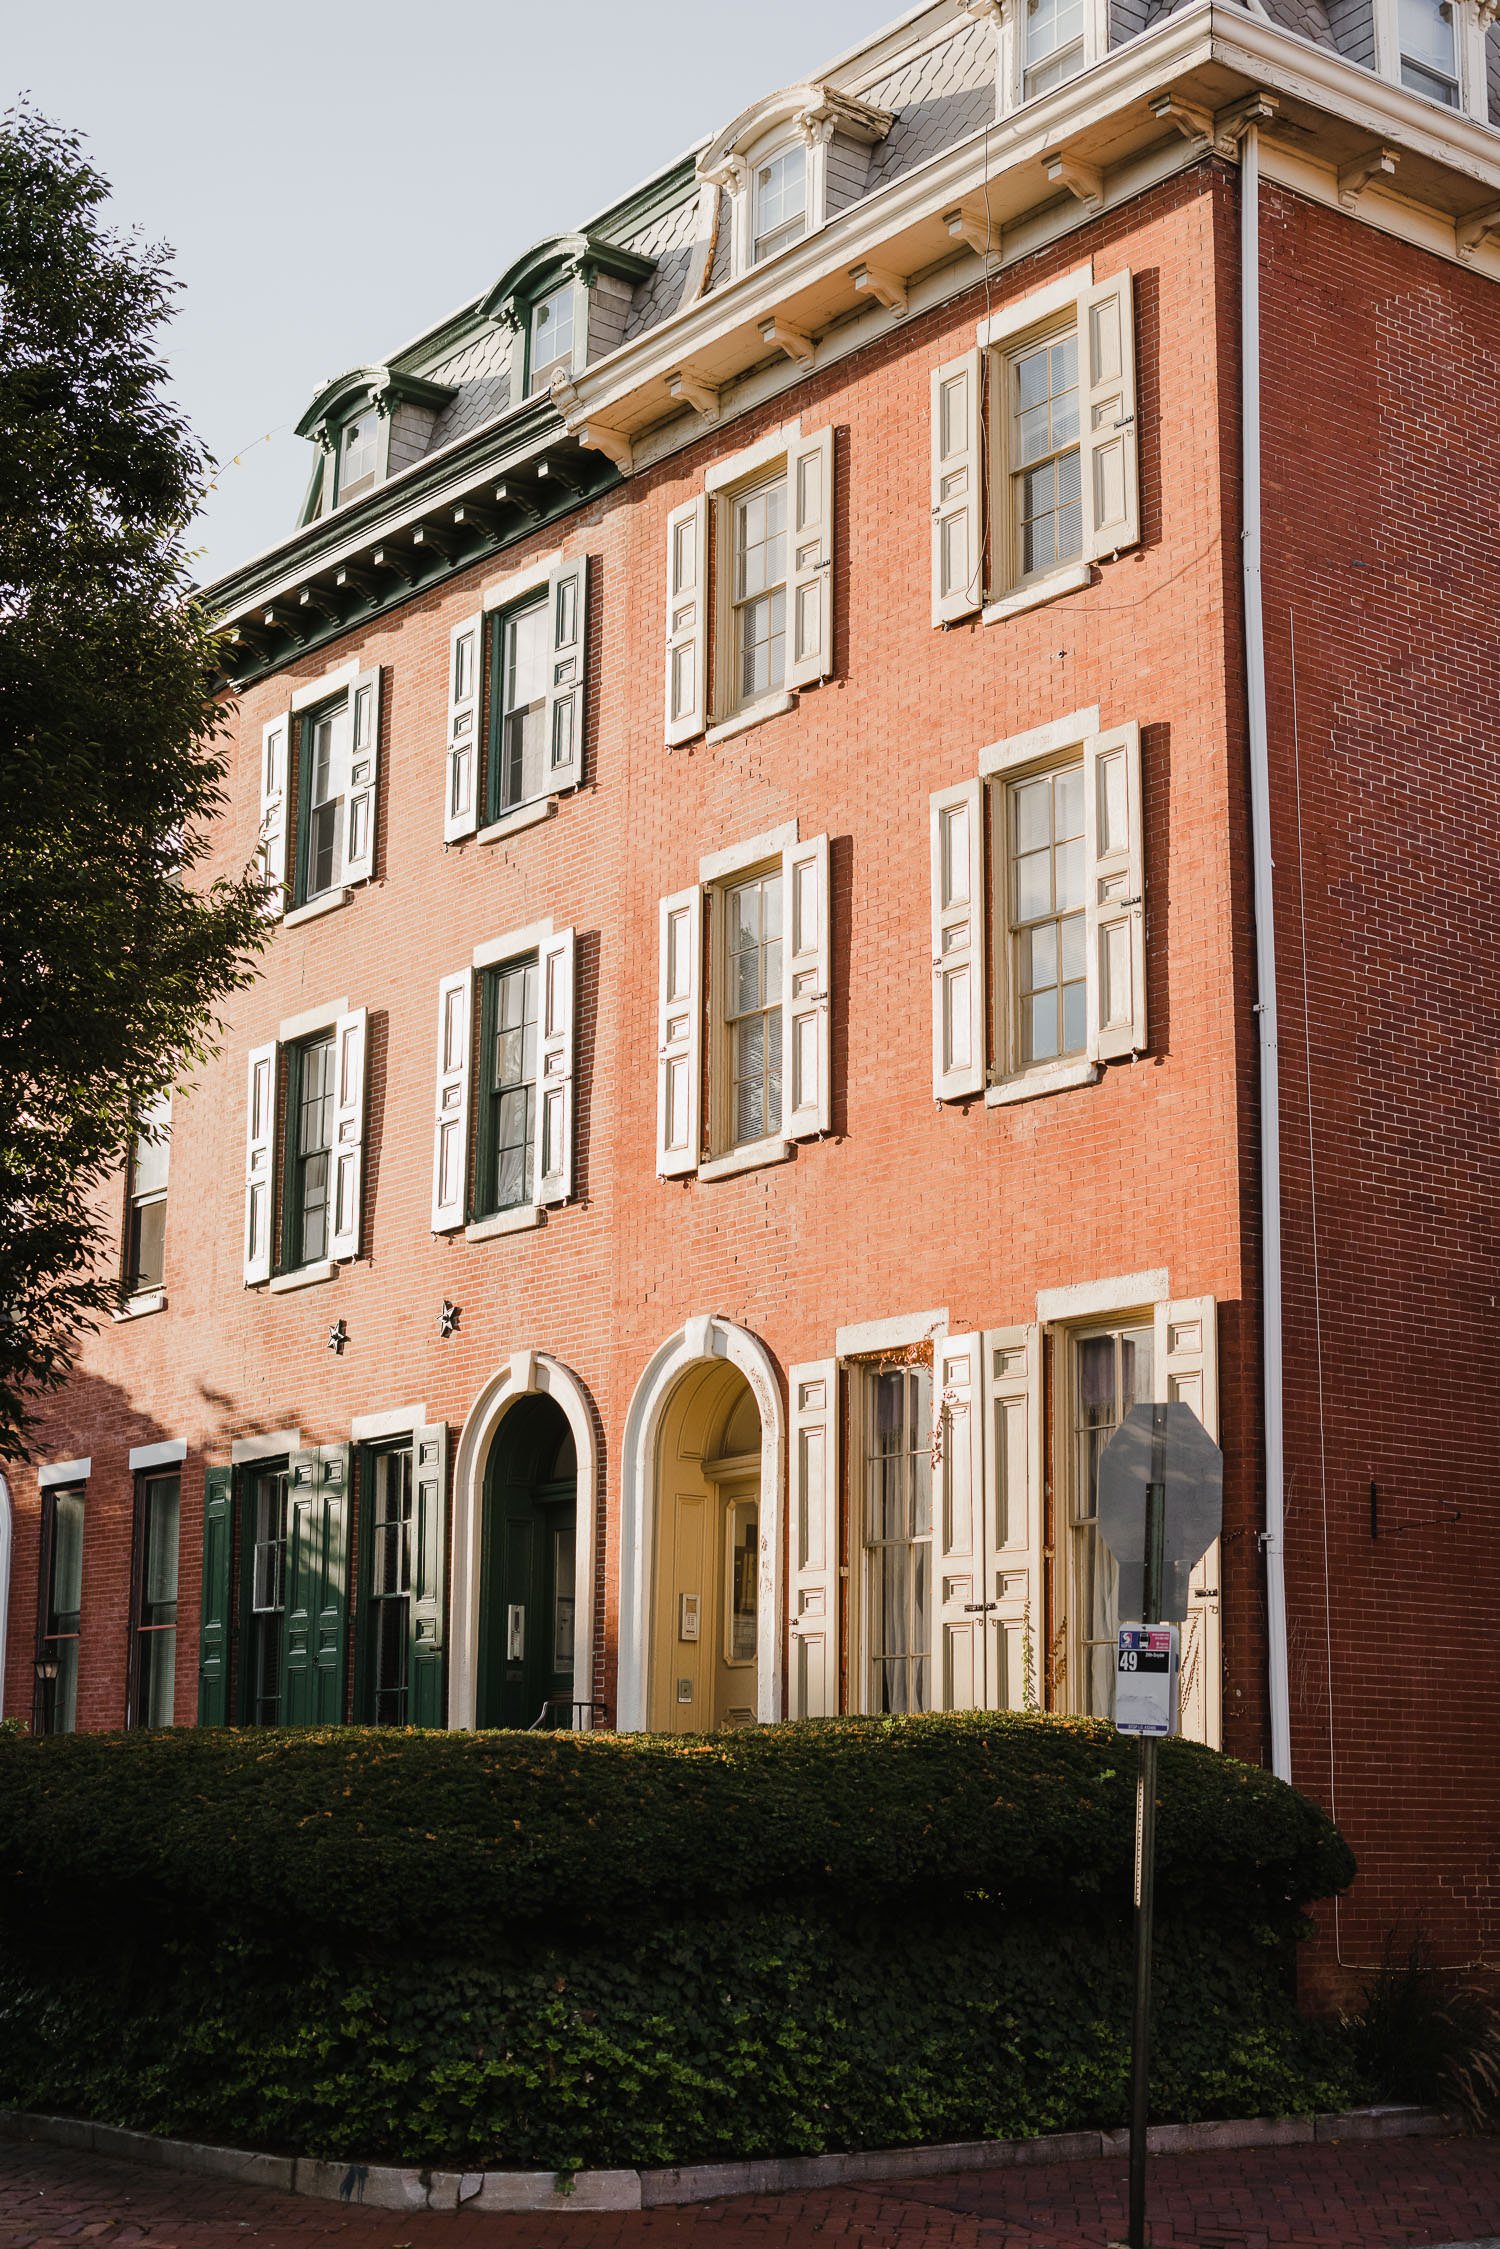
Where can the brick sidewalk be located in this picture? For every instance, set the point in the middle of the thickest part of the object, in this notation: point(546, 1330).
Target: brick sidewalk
point(1391, 2195)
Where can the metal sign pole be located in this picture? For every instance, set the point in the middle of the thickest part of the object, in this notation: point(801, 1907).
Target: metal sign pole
point(1145, 1844)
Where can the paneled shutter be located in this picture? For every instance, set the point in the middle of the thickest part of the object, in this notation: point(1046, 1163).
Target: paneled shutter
point(813, 1583)
point(450, 1144)
point(1111, 476)
point(958, 1050)
point(213, 1631)
point(275, 743)
point(1114, 898)
point(461, 801)
point(960, 1575)
point(1188, 1362)
point(810, 583)
point(687, 620)
point(426, 1702)
point(1017, 1628)
point(679, 1037)
point(554, 1125)
point(806, 1072)
point(349, 1041)
point(957, 490)
point(316, 1587)
point(260, 1150)
point(364, 776)
point(567, 597)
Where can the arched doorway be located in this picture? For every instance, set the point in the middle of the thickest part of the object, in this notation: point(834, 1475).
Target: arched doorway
point(5, 1544)
point(527, 1571)
point(705, 1595)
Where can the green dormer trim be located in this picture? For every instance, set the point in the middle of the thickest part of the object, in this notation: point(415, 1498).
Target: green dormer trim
point(564, 257)
point(381, 387)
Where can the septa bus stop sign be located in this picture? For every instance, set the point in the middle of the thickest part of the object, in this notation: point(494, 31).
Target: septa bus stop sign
point(1146, 1679)
point(1191, 1514)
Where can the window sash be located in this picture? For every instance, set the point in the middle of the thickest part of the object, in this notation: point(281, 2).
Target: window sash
point(509, 1050)
point(758, 590)
point(60, 1612)
point(896, 1537)
point(388, 1584)
point(550, 339)
point(268, 1512)
point(359, 454)
point(520, 658)
point(311, 1098)
point(1052, 934)
point(325, 755)
point(750, 919)
point(154, 1600)
point(779, 193)
point(1427, 33)
point(1044, 455)
point(1054, 44)
point(1110, 1370)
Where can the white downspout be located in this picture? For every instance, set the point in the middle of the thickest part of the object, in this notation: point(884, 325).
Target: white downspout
point(1265, 951)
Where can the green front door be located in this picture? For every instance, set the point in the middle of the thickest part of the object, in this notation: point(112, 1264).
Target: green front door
point(526, 1592)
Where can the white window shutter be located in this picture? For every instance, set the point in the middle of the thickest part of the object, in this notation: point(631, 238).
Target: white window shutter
point(958, 960)
point(450, 1142)
point(1114, 897)
point(960, 1571)
point(260, 1162)
point(1013, 1516)
point(813, 1582)
point(810, 578)
point(1187, 1361)
point(461, 781)
point(687, 620)
point(554, 1123)
point(364, 776)
point(349, 1040)
point(679, 1039)
point(567, 597)
point(806, 1074)
point(275, 746)
point(957, 490)
point(1111, 474)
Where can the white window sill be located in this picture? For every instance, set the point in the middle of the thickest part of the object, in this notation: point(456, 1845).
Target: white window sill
point(1038, 1082)
point(749, 1158)
point(517, 1221)
point(1071, 580)
point(316, 906)
point(755, 714)
point(140, 1307)
point(306, 1276)
point(524, 816)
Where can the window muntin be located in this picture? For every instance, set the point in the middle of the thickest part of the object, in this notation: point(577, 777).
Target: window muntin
point(758, 599)
point(310, 1144)
point(146, 1218)
point(1044, 915)
point(522, 661)
point(269, 1503)
point(779, 215)
point(508, 1046)
point(326, 762)
point(551, 337)
point(1043, 448)
point(154, 1636)
point(752, 1003)
point(1111, 1372)
point(1054, 37)
point(359, 454)
point(389, 1585)
point(1428, 35)
point(897, 1537)
point(56, 1706)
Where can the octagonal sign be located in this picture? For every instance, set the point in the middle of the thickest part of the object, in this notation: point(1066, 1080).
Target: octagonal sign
point(1194, 1479)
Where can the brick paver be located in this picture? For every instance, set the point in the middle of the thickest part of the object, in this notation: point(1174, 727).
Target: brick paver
point(1405, 2194)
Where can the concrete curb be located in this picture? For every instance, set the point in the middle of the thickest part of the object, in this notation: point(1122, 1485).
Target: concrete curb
point(384, 2187)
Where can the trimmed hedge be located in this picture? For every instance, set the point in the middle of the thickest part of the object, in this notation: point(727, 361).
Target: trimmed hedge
point(502, 1948)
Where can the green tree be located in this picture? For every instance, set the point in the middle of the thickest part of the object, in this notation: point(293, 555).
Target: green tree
point(115, 950)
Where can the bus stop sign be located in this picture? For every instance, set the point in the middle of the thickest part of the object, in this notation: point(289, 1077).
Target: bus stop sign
point(1193, 1477)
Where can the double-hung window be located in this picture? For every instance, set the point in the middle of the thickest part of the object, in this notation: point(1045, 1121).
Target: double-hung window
point(304, 1131)
point(893, 1417)
point(398, 1669)
point(1109, 1371)
point(59, 1611)
point(308, 1208)
point(1038, 914)
point(1053, 32)
point(146, 1201)
point(359, 455)
point(779, 207)
point(1428, 36)
point(153, 1626)
point(503, 1132)
point(319, 776)
point(516, 701)
point(550, 336)
point(293, 1602)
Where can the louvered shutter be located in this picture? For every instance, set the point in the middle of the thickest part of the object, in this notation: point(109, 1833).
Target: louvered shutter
point(426, 1702)
point(554, 1126)
point(567, 597)
point(805, 1043)
point(260, 1147)
point(810, 581)
point(687, 620)
point(1109, 462)
point(317, 1604)
point(275, 742)
point(957, 490)
point(1017, 1627)
point(213, 1630)
point(679, 1039)
point(958, 1049)
point(960, 1588)
point(364, 776)
point(813, 1584)
point(1188, 1372)
point(450, 1146)
point(461, 801)
point(349, 1041)
point(1114, 897)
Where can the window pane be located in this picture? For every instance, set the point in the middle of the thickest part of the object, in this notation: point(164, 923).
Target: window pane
point(158, 1677)
point(752, 1006)
point(389, 1583)
point(146, 1252)
point(512, 1071)
point(1048, 939)
point(1111, 1373)
point(898, 1526)
point(1427, 36)
point(525, 663)
point(780, 200)
point(314, 1141)
point(759, 538)
point(552, 333)
point(159, 1570)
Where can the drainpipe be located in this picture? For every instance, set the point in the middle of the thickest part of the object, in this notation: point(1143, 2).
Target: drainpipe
point(1265, 950)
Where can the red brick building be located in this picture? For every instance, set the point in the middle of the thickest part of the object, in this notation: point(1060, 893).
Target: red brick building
point(812, 829)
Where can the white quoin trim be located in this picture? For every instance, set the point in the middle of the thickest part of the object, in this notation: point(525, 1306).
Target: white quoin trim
point(528, 1373)
point(5, 1547)
point(700, 1338)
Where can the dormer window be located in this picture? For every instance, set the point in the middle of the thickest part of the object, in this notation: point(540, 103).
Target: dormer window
point(1428, 35)
point(789, 164)
point(368, 425)
point(780, 201)
point(1053, 31)
point(551, 336)
point(359, 455)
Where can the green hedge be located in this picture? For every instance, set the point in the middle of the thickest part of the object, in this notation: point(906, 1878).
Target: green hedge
point(498, 1948)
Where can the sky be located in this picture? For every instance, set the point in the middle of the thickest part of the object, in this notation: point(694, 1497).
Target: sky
point(334, 180)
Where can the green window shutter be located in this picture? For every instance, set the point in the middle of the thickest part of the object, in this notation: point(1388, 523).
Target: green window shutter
point(213, 1635)
point(426, 1699)
point(317, 1604)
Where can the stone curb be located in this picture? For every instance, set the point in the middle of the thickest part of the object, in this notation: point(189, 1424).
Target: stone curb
point(385, 2187)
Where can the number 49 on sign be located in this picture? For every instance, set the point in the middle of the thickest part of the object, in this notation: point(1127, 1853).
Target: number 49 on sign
point(1146, 1679)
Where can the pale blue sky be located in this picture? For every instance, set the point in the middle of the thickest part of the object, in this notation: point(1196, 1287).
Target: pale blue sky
point(335, 179)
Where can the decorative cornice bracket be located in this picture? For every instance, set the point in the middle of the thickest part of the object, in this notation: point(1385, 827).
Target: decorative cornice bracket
point(795, 342)
point(1086, 181)
point(1233, 122)
point(1356, 176)
point(1193, 122)
point(1477, 228)
point(879, 282)
point(693, 391)
point(972, 225)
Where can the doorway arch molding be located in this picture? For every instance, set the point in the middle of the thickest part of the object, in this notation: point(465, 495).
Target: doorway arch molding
point(706, 1336)
point(529, 1374)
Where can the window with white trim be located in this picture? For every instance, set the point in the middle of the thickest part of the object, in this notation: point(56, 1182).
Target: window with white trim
point(550, 335)
point(146, 1199)
point(1438, 49)
point(893, 1416)
point(304, 1149)
point(778, 192)
point(1107, 1371)
point(1053, 35)
point(359, 451)
point(319, 778)
point(503, 1124)
point(516, 699)
point(1034, 454)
